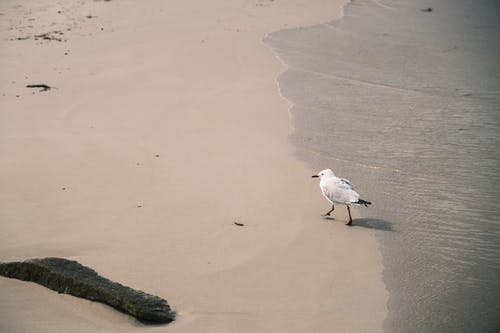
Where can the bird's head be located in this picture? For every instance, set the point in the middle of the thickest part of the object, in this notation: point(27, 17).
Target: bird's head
point(324, 174)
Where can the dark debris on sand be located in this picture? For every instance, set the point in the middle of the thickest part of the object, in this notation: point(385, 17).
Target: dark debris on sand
point(43, 86)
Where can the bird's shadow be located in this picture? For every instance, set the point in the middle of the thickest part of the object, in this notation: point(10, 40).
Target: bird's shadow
point(370, 223)
point(373, 223)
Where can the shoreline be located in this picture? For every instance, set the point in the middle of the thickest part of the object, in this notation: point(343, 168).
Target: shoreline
point(399, 100)
point(135, 163)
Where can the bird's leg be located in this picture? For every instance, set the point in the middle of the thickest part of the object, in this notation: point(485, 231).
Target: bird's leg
point(350, 218)
point(331, 210)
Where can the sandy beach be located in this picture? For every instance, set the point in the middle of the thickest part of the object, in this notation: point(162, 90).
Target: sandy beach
point(165, 126)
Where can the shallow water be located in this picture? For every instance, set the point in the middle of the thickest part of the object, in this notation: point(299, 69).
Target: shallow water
point(406, 103)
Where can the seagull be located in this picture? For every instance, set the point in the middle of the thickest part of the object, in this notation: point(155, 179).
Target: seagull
point(338, 190)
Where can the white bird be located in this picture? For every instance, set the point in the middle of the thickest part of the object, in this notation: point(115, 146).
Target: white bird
point(339, 190)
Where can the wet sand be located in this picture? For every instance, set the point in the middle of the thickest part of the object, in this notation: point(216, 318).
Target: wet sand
point(165, 126)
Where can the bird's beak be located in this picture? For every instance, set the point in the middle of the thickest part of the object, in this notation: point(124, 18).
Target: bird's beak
point(315, 176)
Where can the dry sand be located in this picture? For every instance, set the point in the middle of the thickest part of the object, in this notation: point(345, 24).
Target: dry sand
point(165, 128)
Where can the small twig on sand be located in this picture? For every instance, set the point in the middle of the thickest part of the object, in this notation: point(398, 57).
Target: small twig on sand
point(43, 86)
point(49, 35)
point(239, 224)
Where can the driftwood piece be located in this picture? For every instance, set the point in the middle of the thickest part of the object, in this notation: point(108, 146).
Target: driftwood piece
point(72, 278)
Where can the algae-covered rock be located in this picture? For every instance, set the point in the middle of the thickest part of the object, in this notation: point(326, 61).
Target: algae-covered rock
point(72, 278)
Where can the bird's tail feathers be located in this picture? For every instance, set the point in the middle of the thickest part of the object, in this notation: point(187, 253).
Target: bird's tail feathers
point(363, 202)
